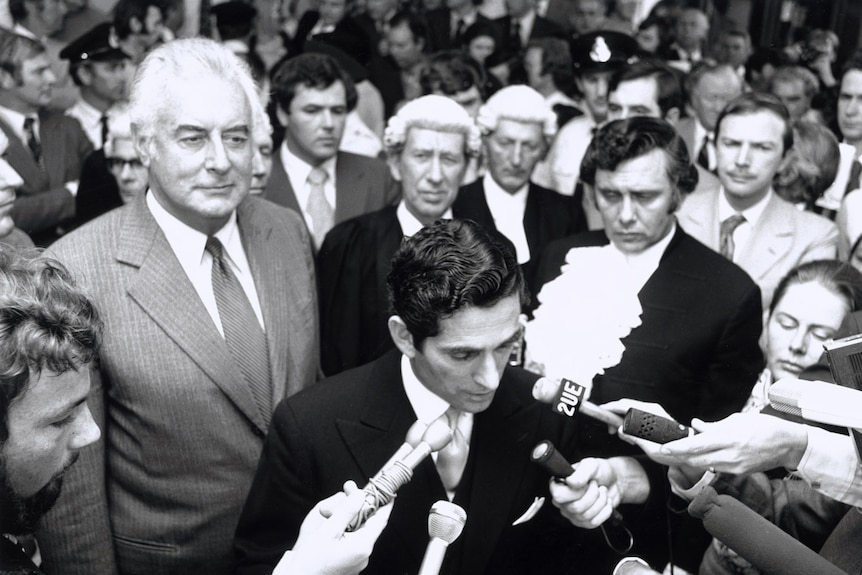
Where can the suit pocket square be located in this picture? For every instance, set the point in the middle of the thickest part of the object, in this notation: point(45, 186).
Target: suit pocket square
point(531, 512)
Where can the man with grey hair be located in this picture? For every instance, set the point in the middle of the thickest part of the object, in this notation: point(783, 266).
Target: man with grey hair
point(429, 144)
point(208, 301)
point(517, 125)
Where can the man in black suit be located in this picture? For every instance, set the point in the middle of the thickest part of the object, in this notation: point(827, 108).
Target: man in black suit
point(354, 259)
point(313, 96)
point(456, 295)
point(446, 25)
point(521, 25)
point(517, 125)
point(695, 350)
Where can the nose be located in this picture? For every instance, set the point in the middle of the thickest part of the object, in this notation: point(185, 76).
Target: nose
point(258, 170)
point(853, 107)
point(435, 173)
point(327, 119)
point(799, 342)
point(602, 87)
point(743, 156)
point(8, 176)
point(216, 159)
point(86, 431)
point(50, 77)
point(488, 373)
point(517, 154)
point(627, 211)
point(126, 170)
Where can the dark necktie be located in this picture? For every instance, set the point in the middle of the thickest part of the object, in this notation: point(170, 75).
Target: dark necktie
point(205, 23)
point(104, 122)
point(515, 36)
point(725, 238)
point(459, 31)
point(703, 156)
point(32, 140)
point(853, 181)
point(243, 335)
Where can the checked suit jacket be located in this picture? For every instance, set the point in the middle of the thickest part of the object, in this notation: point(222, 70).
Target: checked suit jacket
point(162, 490)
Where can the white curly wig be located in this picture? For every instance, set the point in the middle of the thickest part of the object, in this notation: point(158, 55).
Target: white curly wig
point(521, 104)
point(431, 112)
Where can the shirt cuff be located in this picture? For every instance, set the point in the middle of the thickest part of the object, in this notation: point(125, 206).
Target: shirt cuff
point(690, 493)
point(829, 463)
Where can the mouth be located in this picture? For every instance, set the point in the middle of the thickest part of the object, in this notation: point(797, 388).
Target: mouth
point(790, 367)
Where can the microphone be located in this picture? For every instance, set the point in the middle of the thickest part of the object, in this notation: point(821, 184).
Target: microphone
point(817, 401)
point(381, 488)
point(755, 538)
point(645, 425)
point(411, 440)
point(567, 399)
point(445, 523)
point(547, 456)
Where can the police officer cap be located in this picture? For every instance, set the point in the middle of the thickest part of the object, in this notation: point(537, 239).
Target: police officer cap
point(234, 12)
point(603, 50)
point(98, 44)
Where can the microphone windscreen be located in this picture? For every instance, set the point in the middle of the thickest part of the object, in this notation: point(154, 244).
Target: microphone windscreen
point(645, 425)
point(446, 521)
point(756, 539)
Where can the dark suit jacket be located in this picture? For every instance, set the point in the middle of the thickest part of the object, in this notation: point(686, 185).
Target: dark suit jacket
point(696, 353)
point(351, 274)
point(548, 216)
point(542, 28)
point(43, 202)
point(348, 426)
point(98, 192)
point(439, 23)
point(162, 490)
point(362, 185)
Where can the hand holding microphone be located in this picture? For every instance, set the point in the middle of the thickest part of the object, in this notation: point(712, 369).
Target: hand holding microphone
point(381, 488)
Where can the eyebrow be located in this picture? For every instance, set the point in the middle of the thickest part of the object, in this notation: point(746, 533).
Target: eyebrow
point(66, 409)
point(463, 349)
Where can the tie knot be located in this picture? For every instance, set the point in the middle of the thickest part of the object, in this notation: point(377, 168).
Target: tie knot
point(214, 248)
point(731, 223)
point(317, 176)
point(453, 415)
point(28, 122)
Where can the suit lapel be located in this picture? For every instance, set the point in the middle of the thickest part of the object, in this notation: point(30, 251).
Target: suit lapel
point(496, 476)
point(471, 204)
point(164, 292)
point(20, 158)
point(278, 189)
point(533, 228)
point(350, 189)
point(771, 238)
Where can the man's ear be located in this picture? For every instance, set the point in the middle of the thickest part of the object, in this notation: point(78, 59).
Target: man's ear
point(142, 145)
point(401, 336)
point(7, 82)
point(672, 116)
point(393, 161)
point(283, 117)
point(135, 25)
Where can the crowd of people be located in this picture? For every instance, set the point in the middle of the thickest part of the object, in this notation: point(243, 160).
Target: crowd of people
point(247, 250)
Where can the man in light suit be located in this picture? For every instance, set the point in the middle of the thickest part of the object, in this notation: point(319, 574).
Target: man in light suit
point(772, 237)
point(46, 148)
point(456, 296)
point(314, 95)
point(184, 412)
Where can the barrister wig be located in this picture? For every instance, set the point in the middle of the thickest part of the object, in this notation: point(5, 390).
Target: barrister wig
point(431, 112)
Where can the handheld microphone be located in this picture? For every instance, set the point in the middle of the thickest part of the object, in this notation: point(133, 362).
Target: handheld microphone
point(652, 427)
point(381, 488)
point(411, 440)
point(445, 523)
point(547, 456)
point(567, 399)
point(817, 401)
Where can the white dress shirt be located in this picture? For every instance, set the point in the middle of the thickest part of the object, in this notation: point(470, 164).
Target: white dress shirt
point(508, 213)
point(408, 222)
point(642, 266)
point(90, 119)
point(751, 215)
point(188, 245)
point(699, 134)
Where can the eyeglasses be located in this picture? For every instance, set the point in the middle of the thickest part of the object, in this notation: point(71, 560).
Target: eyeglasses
point(120, 163)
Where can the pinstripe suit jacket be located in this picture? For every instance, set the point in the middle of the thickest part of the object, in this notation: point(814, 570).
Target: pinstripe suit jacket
point(161, 492)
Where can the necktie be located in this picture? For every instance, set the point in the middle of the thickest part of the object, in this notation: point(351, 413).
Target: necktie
point(452, 459)
point(853, 181)
point(703, 156)
point(459, 31)
point(204, 20)
point(322, 214)
point(728, 226)
point(242, 332)
point(515, 36)
point(104, 122)
point(32, 140)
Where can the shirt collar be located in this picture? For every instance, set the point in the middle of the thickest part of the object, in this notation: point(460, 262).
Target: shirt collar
point(15, 120)
point(497, 194)
point(427, 405)
point(298, 169)
point(409, 223)
point(751, 215)
point(86, 111)
point(651, 256)
point(188, 243)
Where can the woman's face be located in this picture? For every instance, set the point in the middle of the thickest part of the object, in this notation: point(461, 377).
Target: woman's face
point(480, 48)
point(803, 320)
point(648, 39)
point(10, 181)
